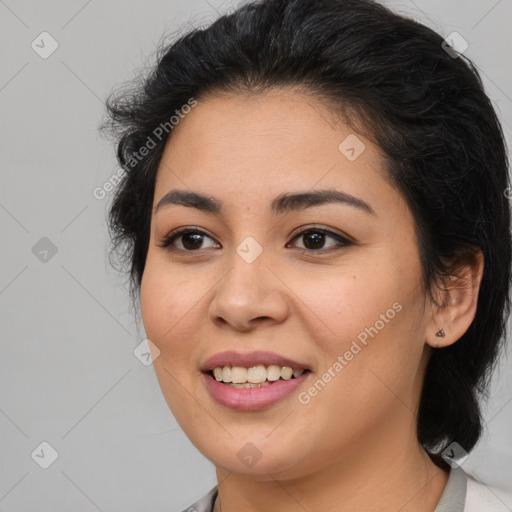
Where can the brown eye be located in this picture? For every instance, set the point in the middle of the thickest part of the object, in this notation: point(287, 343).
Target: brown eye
point(314, 240)
point(191, 240)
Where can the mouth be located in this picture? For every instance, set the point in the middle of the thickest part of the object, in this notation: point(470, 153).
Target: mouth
point(252, 381)
point(258, 376)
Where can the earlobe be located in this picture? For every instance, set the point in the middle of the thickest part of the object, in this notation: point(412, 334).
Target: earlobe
point(456, 307)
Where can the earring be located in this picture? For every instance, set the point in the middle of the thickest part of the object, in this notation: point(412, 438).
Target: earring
point(440, 333)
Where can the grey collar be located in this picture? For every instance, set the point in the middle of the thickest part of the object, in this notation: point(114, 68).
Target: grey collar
point(453, 498)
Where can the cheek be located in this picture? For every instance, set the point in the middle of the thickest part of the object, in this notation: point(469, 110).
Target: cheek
point(367, 325)
point(344, 301)
point(170, 304)
point(370, 345)
point(170, 312)
point(166, 292)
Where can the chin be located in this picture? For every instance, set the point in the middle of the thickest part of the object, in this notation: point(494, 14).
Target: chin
point(265, 463)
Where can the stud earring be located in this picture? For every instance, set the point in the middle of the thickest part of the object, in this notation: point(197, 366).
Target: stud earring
point(440, 333)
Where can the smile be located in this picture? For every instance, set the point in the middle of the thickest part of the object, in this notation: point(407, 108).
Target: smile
point(252, 381)
point(254, 396)
point(255, 376)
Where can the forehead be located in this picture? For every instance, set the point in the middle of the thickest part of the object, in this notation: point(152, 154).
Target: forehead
point(244, 147)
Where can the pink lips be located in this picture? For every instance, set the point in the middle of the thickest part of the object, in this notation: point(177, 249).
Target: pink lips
point(251, 399)
point(250, 359)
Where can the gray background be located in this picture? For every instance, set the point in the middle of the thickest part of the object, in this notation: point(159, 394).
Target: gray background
point(68, 375)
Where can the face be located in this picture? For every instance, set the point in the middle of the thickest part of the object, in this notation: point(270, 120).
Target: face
point(260, 278)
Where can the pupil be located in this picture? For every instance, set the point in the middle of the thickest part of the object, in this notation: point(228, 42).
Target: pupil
point(318, 240)
point(196, 237)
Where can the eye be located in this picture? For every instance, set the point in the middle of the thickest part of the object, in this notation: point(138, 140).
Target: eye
point(315, 238)
point(192, 240)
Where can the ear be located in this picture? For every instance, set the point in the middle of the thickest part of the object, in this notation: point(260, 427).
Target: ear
point(456, 302)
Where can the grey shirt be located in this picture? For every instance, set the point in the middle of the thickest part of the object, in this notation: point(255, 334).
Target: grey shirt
point(453, 498)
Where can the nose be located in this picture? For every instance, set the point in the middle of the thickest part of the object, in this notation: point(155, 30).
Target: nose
point(249, 295)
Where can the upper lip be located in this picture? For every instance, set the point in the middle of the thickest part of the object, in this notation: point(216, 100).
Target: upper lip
point(249, 359)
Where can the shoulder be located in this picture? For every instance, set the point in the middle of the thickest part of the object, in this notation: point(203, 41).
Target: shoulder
point(205, 504)
point(480, 497)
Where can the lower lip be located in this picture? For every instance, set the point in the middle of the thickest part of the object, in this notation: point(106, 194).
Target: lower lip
point(252, 399)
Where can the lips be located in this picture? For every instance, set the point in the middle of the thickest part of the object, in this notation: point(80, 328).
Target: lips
point(252, 397)
point(250, 359)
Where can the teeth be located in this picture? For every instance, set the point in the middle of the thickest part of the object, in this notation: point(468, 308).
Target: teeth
point(226, 374)
point(255, 376)
point(286, 373)
point(239, 374)
point(248, 385)
point(273, 372)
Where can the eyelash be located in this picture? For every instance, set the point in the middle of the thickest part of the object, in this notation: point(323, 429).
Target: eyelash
point(166, 243)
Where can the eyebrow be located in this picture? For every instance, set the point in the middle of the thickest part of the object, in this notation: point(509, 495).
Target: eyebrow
point(285, 202)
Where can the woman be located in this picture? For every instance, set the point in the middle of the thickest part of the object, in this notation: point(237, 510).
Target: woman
point(315, 220)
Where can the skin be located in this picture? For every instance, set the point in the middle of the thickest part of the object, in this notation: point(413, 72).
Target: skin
point(354, 445)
